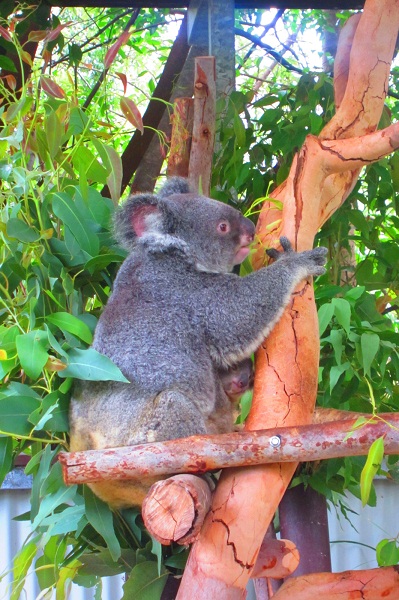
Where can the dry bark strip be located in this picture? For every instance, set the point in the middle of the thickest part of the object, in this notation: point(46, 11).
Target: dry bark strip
point(198, 454)
point(182, 131)
point(199, 172)
point(245, 500)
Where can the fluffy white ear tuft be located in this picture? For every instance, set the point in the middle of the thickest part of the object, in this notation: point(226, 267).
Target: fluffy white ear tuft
point(146, 219)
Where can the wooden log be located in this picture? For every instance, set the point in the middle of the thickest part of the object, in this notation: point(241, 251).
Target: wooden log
point(370, 584)
point(201, 453)
point(175, 508)
point(204, 124)
point(182, 131)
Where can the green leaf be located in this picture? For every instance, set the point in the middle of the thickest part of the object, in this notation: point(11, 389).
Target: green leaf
point(387, 553)
point(70, 323)
point(100, 517)
point(5, 456)
point(78, 122)
point(325, 314)
point(7, 64)
point(54, 131)
point(58, 421)
point(98, 263)
point(64, 209)
point(65, 522)
point(75, 54)
point(144, 582)
point(239, 130)
point(342, 311)
point(85, 162)
point(22, 562)
point(91, 365)
point(32, 352)
point(370, 469)
point(337, 343)
point(15, 412)
point(50, 502)
point(355, 293)
point(336, 372)
point(369, 343)
point(66, 575)
point(113, 164)
point(16, 228)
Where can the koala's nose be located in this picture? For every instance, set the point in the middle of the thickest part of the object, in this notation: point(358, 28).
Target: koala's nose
point(248, 230)
point(248, 238)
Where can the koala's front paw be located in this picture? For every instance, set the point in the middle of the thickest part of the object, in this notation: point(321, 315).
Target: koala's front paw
point(313, 260)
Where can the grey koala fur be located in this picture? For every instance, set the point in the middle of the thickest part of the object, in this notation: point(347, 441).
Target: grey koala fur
point(176, 317)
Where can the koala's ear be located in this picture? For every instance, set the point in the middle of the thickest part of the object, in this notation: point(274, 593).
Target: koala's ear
point(175, 185)
point(140, 214)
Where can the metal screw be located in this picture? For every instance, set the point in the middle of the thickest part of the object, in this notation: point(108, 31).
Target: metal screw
point(275, 441)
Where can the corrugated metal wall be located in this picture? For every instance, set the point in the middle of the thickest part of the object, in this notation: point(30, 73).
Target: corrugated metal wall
point(369, 527)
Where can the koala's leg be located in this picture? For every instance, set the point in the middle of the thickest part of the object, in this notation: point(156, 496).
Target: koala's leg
point(171, 415)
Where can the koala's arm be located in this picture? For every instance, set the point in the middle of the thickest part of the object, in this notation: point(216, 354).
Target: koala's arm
point(243, 310)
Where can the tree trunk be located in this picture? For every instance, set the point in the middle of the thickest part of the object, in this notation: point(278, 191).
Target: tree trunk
point(322, 175)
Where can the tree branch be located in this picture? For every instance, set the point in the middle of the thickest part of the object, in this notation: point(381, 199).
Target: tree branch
point(368, 584)
point(198, 454)
point(269, 50)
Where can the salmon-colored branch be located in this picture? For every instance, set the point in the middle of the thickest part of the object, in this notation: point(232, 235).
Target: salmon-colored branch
point(370, 584)
point(342, 58)
point(354, 153)
point(370, 60)
point(198, 454)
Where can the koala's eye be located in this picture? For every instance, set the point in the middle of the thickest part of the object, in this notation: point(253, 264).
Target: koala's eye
point(223, 227)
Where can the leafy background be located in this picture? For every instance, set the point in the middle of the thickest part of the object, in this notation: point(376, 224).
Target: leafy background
point(68, 107)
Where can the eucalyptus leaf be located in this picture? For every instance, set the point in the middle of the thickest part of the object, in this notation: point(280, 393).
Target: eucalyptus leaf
point(144, 582)
point(64, 209)
point(67, 322)
point(100, 517)
point(6, 448)
point(32, 351)
point(342, 312)
point(91, 365)
point(325, 314)
point(14, 414)
point(16, 228)
point(370, 343)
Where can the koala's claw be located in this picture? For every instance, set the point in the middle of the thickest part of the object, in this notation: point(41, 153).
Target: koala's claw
point(286, 246)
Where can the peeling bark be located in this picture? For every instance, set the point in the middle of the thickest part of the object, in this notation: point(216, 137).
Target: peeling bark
point(199, 171)
point(182, 131)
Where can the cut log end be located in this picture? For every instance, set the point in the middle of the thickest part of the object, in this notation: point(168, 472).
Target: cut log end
point(175, 508)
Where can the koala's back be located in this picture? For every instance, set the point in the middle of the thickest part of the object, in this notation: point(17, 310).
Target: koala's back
point(155, 316)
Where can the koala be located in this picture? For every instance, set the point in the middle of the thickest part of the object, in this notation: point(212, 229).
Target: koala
point(176, 317)
point(237, 379)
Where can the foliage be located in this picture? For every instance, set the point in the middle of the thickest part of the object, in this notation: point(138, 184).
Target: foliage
point(58, 261)
point(59, 148)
